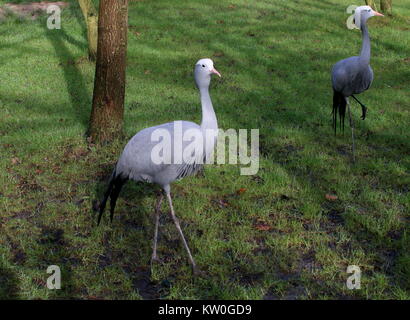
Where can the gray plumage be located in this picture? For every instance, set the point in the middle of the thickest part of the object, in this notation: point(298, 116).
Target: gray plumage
point(351, 76)
point(137, 163)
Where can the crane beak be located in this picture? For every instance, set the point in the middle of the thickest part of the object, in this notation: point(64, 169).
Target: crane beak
point(215, 72)
point(378, 14)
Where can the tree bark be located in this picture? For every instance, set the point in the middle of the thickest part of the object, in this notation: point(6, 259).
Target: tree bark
point(109, 84)
point(386, 7)
point(371, 4)
point(91, 20)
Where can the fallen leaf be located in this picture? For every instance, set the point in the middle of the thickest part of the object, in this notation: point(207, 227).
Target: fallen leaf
point(263, 227)
point(15, 160)
point(331, 197)
point(241, 190)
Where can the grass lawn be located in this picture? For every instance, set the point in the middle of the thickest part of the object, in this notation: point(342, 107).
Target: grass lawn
point(274, 235)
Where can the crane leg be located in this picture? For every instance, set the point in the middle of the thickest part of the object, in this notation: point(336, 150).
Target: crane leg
point(157, 211)
point(191, 260)
point(352, 126)
point(364, 109)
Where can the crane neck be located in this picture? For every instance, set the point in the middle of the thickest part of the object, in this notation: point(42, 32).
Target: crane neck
point(208, 114)
point(365, 52)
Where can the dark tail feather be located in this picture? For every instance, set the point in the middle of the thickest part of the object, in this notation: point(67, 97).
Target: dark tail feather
point(118, 183)
point(339, 106)
point(106, 195)
point(114, 187)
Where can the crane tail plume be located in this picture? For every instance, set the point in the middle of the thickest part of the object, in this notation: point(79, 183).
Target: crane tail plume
point(105, 197)
point(114, 187)
point(339, 107)
point(118, 183)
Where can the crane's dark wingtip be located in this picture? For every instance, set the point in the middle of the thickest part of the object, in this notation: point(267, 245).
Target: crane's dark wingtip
point(107, 193)
point(118, 184)
point(339, 107)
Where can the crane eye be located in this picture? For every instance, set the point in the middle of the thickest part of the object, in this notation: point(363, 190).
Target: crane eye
point(368, 10)
point(203, 66)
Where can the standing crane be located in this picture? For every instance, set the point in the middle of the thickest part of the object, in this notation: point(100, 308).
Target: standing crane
point(353, 75)
point(137, 162)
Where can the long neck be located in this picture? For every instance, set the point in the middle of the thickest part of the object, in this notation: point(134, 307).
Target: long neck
point(208, 113)
point(365, 53)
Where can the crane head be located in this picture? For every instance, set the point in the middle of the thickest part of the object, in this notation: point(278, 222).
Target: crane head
point(204, 68)
point(362, 13)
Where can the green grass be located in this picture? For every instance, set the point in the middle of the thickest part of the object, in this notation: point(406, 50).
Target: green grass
point(279, 239)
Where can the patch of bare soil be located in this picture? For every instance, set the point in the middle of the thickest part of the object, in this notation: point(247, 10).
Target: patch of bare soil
point(29, 10)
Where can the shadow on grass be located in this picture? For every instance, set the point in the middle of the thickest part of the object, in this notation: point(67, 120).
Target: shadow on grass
point(74, 80)
point(135, 218)
point(54, 249)
point(8, 284)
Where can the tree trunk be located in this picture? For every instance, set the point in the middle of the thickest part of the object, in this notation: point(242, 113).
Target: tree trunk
point(91, 20)
point(109, 84)
point(386, 7)
point(371, 4)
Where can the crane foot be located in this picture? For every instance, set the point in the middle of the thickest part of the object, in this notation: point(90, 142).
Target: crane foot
point(364, 110)
point(197, 272)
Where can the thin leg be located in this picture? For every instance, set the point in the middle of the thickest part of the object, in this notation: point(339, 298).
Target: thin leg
point(157, 211)
point(352, 126)
point(191, 260)
point(364, 109)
